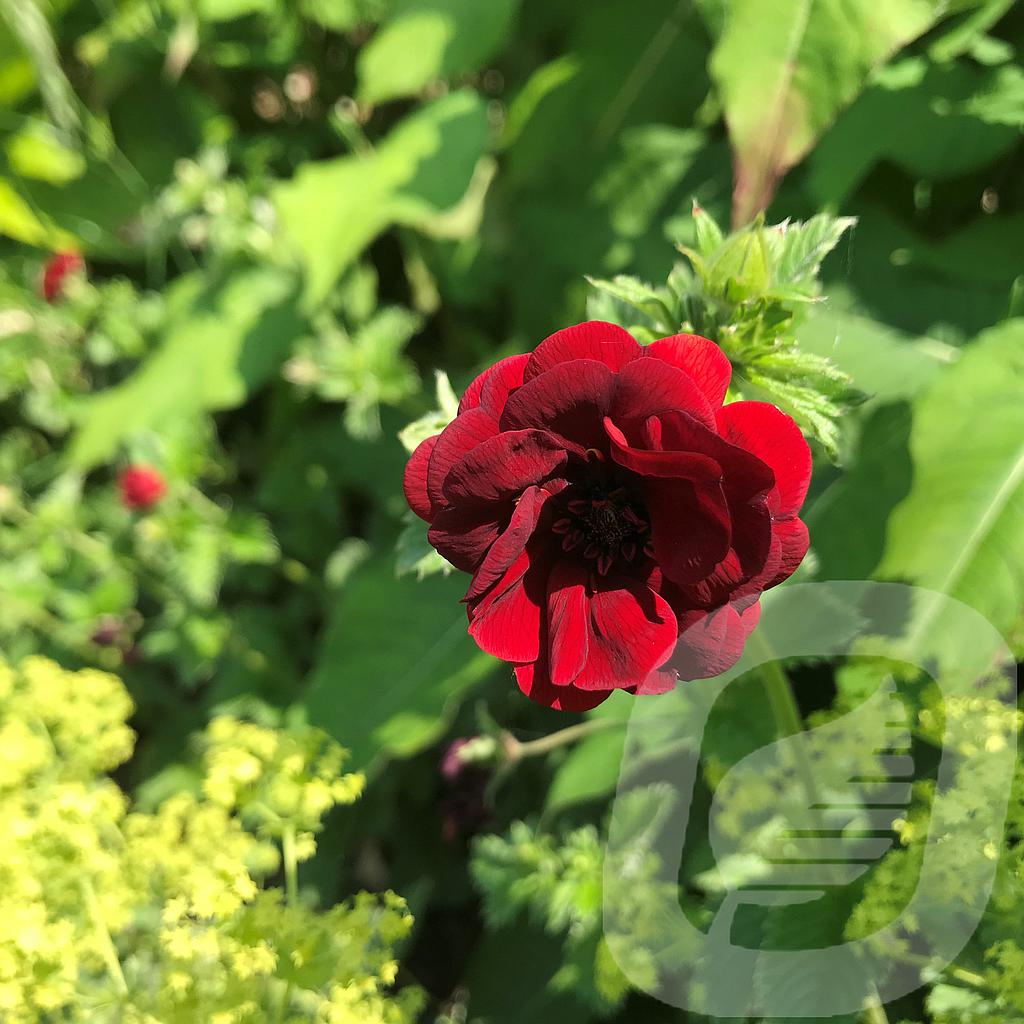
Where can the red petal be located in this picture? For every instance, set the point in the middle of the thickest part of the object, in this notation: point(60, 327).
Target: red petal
point(703, 360)
point(690, 527)
point(681, 465)
point(459, 438)
point(415, 480)
point(534, 682)
point(794, 539)
point(661, 681)
point(632, 632)
point(502, 467)
point(775, 439)
point(743, 473)
point(595, 339)
point(710, 643)
point(570, 400)
point(463, 535)
point(647, 387)
point(567, 622)
point(501, 378)
point(507, 622)
point(510, 545)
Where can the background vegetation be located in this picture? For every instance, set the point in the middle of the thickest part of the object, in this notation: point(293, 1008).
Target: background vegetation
point(290, 214)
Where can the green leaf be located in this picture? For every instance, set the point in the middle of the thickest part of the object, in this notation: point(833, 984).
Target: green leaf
point(960, 530)
point(331, 210)
point(435, 421)
point(885, 363)
point(223, 340)
point(415, 555)
point(1001, 100)
point(786, 68)
point(394, 664)
point(947, 140)
point(590, 771)
point(803, 247)
point(651, 301)
point(963, 35)
point(28, 24)
point(424, 40)
point(848, 521)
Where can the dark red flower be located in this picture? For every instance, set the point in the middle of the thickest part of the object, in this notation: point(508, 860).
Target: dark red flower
point(141, 487)
point(58, 268)
point(620, 523)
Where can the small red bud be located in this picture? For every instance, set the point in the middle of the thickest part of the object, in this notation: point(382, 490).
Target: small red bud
point(141, 487)
point(58, 268)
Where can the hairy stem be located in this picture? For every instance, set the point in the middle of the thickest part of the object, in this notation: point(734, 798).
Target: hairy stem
point(534, 748)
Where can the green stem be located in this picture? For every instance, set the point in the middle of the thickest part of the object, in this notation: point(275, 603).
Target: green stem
point(107, 948)
point(785, 711)
point(789, 724)
point(291, 895)
point(875, 1012)
point(534, 748)
point(291, 865)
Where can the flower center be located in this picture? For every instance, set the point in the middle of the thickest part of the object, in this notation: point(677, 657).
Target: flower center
point(604, 526)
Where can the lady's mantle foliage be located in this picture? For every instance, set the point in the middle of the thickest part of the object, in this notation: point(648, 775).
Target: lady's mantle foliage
point(619, 521)
point(110, 913)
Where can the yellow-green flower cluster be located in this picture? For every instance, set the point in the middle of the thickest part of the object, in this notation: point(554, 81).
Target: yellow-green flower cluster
point(279, 781)
point(109, 914)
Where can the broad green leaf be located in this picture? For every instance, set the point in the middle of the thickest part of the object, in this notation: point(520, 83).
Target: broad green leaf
point(331, 210)
point(636, 188)
point(960, 530)
point(883, 362)
point(20, 221)
point(786, 68)
point(228, 10)
point(962, 36)
point(963, 117)
point(222, 341)
point(425, 40)
point(343, 15)
point(951, 287)
point(848, 521)
point(394, 663)
point(1001, 100)
point(590, 771)
point(36, 152)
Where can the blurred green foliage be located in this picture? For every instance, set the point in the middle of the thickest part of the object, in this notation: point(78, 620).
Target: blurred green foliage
point(293, 214)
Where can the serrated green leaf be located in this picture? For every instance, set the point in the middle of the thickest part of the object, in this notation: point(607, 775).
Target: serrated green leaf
point(803, 247)
point(639, 295)
point(709, 234)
